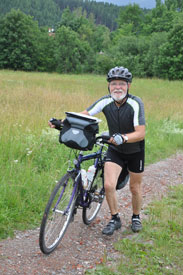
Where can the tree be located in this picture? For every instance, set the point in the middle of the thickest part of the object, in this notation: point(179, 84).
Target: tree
point(68, 20)
point(98, 36)
point(19, 40)
point(100, 39)
point(156, 40)
point(174, 4)
point(130, 51)
point(170, 63)
point(123, 31)
point(46, 12)
point(72, 55)
point(103, 63)
point(132, 14)
point(47, 47)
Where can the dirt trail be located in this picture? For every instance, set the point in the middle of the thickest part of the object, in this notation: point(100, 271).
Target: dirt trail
point(84, 247)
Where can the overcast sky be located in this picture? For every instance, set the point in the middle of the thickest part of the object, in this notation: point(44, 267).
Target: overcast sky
point(149, 4)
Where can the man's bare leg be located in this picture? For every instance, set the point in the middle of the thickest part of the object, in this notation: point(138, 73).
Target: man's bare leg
point(136, 190)
point(111, 174)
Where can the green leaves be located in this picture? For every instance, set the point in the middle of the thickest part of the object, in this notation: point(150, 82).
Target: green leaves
point(18, 41)
point(171, 53)
point(149, 43)
point(71, 53)
point(132, 14)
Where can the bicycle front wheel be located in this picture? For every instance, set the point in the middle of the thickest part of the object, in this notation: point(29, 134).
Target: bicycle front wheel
point(58, 213)
point(95, 198)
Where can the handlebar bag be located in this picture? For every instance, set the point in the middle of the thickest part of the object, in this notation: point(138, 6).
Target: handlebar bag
point(79, 131)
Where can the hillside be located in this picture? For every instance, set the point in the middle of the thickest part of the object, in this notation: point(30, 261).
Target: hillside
point(48, 12)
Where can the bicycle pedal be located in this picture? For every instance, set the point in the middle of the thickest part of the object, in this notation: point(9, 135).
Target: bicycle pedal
point(96, 197)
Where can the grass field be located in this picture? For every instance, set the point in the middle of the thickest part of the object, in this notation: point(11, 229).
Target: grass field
point(31, 157)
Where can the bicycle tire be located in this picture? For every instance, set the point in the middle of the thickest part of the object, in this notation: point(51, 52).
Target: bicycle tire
point(96, 196)
point(57, 214)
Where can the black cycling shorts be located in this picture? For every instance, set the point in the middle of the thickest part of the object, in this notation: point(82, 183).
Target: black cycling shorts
point(135, 162)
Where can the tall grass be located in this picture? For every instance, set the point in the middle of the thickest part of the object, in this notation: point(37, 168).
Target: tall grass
point(31, 157)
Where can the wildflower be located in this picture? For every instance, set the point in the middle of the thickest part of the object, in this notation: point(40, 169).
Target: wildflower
point(29, 152)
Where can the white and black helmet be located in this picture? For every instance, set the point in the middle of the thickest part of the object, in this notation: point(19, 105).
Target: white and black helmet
point(119, 73)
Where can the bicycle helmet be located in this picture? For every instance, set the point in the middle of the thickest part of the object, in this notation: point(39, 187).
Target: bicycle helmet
point(119, 73)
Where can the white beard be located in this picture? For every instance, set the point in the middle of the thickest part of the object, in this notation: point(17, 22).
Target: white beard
point(118, 97)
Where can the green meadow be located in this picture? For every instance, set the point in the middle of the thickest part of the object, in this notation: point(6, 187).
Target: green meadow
point(32, 160)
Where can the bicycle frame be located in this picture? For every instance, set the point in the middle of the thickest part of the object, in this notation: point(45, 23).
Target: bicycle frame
point(78, 183)
point(77, 171)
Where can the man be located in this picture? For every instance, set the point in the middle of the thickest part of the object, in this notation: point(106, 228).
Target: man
point(126, 122)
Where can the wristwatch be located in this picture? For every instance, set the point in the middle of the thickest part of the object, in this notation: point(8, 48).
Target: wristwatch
point(125, 138)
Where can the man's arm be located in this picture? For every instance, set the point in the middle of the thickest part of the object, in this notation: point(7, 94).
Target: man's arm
point(137, 135)
point(85, 112)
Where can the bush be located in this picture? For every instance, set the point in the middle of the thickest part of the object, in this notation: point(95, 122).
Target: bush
point(19, 42)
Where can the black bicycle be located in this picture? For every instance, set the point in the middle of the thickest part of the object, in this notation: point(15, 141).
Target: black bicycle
point(69, 194)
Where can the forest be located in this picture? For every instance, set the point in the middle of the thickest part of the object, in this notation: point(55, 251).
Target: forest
point(77, 36)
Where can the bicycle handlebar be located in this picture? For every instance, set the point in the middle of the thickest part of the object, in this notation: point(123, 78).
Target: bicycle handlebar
point(104, 139)
point(58, 123)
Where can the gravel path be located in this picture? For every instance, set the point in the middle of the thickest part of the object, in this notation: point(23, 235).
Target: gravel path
point(83, 247)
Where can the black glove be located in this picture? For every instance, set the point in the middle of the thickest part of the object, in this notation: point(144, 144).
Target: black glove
point(57, 122)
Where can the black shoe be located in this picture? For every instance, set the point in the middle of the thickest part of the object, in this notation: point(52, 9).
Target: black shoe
point(111, 227)
point(136, 225)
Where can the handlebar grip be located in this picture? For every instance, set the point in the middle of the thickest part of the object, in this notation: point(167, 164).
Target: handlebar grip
point(57, 123)
point(104, 139)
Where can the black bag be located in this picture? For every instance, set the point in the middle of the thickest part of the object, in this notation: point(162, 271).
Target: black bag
point(79, 131)
point(123, 178)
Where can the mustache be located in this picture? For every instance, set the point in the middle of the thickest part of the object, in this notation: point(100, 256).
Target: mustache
point(118, 90)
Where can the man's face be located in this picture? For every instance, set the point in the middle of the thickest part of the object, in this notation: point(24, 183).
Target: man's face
point(118, 89)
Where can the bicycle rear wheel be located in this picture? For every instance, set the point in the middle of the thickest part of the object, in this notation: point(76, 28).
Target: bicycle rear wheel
point(58, 213)
point(95, 197)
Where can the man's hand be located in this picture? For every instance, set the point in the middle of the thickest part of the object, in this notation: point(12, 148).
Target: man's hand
point(116, 139)
point(55, 123)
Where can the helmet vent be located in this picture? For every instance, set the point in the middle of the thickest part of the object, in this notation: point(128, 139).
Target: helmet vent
point(119, 73)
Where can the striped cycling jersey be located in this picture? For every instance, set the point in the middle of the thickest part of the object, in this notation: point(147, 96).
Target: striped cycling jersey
point(122, 119)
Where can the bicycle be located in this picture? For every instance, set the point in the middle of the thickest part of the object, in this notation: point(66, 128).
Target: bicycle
point(69, 195)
